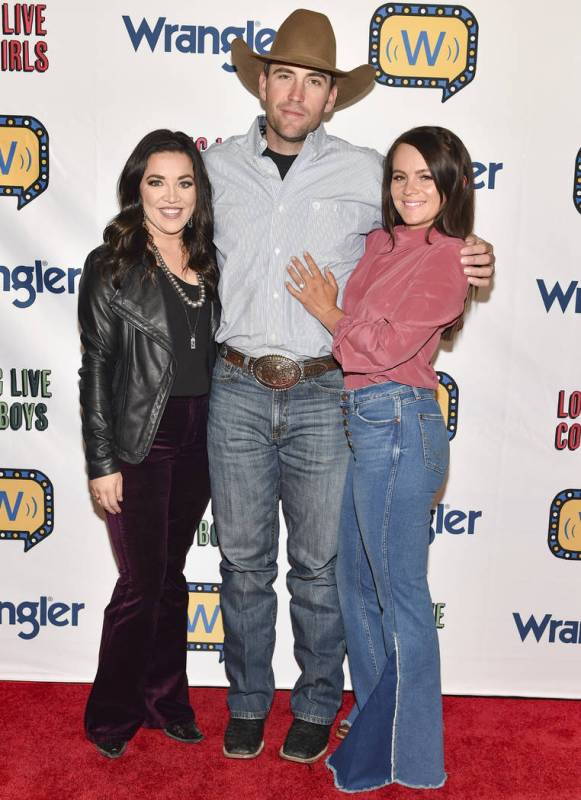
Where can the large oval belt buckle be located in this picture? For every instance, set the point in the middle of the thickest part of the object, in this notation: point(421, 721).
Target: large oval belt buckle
point(277, 372)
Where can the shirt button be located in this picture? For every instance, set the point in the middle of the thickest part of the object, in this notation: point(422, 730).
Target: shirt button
point(277, 251)
point(281, 208)
point(275, 295)
point(316, 205)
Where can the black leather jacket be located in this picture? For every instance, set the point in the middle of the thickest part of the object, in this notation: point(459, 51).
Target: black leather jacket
point(127, 368)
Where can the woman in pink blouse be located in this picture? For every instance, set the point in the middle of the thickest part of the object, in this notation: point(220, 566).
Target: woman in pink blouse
point(407, 292)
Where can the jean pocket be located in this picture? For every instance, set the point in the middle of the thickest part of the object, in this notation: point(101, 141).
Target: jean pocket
point(225, 372)
point(435, 442)
point(330, 383)
point(377, 412)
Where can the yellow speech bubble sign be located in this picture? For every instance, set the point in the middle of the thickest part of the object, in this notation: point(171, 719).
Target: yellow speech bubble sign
point(23, 158)
point(565, 525)
point(205, 626)
point(424, 47)
point(447, 395)
point(26, 506)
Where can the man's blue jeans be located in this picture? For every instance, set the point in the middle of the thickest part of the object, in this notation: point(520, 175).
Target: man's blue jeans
point(399, 460)
point(265, 446)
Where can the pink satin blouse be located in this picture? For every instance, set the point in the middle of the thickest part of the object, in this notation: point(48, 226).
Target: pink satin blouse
point(397, 303)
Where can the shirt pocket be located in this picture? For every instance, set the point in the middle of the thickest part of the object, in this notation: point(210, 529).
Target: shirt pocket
point(240, 229)
point(333, 231)
point(235, 226)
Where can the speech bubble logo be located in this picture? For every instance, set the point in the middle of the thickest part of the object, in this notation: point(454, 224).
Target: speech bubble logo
point(26, 506)
point(23, 158)
point(565, 525)
point(577, 184)
point(205, 626)
point(447, 395)
point(424, 47)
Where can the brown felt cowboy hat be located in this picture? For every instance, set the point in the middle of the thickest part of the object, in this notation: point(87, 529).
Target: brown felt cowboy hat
point(305, 39)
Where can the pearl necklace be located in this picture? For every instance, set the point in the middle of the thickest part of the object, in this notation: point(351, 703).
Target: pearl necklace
point(185, 300)
point(175, 285)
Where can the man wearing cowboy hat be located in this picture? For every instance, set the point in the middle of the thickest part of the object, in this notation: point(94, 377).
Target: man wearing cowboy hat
point(275, 429)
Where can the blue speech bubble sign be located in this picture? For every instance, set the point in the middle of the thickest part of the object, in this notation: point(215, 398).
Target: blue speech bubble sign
point(23, 158)
point(577, 183)
point(26, 506)
point(424, 47)
point(448, 396)
point(564, 537)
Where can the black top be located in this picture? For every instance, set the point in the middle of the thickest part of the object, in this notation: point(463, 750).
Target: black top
point(191, 378)
point(284, 163)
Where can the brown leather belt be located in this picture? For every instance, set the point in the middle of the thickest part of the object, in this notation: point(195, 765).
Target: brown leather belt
point(278, 372)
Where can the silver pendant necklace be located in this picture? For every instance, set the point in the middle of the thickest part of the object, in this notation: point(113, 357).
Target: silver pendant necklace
point(183, 297)
point(192, 332)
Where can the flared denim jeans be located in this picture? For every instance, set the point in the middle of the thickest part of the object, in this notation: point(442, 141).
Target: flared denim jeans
point(399, 450)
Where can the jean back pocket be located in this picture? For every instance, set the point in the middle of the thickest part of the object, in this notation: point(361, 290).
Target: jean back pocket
point(435, 442)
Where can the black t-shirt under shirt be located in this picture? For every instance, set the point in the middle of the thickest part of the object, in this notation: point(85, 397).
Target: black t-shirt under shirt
point(284, 163)
point(191, 378)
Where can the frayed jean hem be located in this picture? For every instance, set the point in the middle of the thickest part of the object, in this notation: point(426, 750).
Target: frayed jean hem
point(380, 785)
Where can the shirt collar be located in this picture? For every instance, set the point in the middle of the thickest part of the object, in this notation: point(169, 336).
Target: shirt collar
point(315, 140)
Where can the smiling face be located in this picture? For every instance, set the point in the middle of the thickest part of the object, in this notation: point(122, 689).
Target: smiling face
point(295, 100)
point(168, 193)
point(413, 189)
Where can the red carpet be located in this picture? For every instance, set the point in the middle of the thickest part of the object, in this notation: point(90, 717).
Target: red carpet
point(496, 749)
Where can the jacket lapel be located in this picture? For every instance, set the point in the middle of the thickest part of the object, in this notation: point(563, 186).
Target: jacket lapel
point(140, 302)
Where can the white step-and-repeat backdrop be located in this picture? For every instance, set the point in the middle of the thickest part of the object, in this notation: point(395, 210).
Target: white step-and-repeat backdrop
point(80, 85)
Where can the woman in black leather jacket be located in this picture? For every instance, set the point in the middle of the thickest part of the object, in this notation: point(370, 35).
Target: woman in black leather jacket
point(147, 313)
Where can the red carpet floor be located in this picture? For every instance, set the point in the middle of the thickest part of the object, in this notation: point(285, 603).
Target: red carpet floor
point(496, 749)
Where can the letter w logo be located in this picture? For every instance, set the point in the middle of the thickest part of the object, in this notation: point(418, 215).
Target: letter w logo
point(200, 614)
point(423, 41)
point(11, 510)
point(151, 35)
point(537, 628)
point(563, 297)
point(6, 163)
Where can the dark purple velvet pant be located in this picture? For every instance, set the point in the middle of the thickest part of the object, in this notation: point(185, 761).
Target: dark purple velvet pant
point(141, 678)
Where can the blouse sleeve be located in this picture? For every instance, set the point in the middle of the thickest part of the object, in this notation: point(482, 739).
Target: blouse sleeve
point(433, 301)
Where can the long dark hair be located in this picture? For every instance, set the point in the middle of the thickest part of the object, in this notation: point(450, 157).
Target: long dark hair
point(451, 168)
point(126, 236)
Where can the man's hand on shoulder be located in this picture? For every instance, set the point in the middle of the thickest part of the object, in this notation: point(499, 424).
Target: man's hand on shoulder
point(479, 260)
